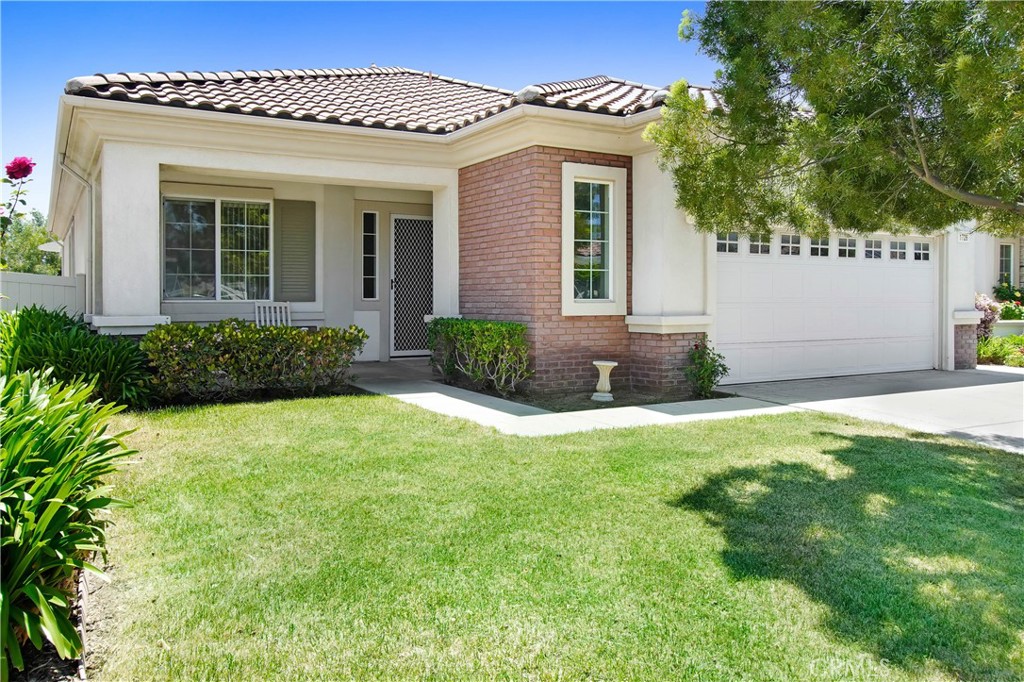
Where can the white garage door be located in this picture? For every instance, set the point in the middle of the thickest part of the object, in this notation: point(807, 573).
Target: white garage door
point(795, 308)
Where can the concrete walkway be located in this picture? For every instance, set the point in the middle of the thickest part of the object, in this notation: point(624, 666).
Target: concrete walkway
point(984, 405)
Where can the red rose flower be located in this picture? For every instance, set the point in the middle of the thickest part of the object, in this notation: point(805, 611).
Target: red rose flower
point(20, 167)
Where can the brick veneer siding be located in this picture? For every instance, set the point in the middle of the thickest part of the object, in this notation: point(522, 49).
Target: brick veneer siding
point(510, 263)
point(965, 346)
point(658, 359)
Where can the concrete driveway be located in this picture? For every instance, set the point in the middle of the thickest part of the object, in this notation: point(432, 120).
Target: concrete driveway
point(983, 405)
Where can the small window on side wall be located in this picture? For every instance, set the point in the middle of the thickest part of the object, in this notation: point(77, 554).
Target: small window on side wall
point(1006, 263)
point(728, 242)
point(789, 245)
point(371, 244)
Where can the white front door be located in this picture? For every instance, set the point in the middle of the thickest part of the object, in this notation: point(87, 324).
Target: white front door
point(867, 306)
point(412, 284)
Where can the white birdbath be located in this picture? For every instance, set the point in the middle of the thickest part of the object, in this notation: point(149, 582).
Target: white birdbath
point(604, 380)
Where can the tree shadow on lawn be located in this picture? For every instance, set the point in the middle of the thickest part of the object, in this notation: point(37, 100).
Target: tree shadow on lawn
point(916, 548)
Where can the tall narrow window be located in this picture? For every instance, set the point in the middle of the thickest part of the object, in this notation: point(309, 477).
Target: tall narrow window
point(789, 244)
point(760, 243)
point(922, 251)
point(847, 247)
point(591, 240)
point(1006, 263)
point(819, 247)
point(244, 251)
point(728, 242)
point(872, 249)
point(190, 242)
point(897, 251)
point(370, 255)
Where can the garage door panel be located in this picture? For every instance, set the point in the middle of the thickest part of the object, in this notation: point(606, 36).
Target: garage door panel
point(782, 317)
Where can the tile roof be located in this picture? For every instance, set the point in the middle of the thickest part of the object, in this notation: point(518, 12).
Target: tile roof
point(376, 97)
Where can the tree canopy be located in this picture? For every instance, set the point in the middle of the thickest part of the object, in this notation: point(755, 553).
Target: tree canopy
point(852, 116)
point(27, 234)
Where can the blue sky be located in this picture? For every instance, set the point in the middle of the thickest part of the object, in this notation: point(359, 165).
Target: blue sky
point(42, 44)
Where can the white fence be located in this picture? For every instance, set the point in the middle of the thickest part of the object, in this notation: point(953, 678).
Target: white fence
point(20, 290)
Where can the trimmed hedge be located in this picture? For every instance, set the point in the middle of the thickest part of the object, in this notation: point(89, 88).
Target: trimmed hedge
point(34, 338)
point(55, 456)
point(233, 359)
point(490, 354)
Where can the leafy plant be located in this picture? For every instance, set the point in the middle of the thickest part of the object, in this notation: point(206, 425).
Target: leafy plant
point(1001, 350)
point(706, 369)
point(35, 338)
point(1011, 310)
point(54, 456)
point(492, 354)
point(234, 359)
point(1004, 291)
point(989, 310)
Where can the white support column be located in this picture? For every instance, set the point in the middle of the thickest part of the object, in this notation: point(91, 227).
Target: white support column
point(131, 240)
point(446, 248)
point(956, 287)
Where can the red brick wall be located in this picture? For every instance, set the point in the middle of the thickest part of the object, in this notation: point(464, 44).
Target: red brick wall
point(510, 260)
point(658, 359)
point(965, 346)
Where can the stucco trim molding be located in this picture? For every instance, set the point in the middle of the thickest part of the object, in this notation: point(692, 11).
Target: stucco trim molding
point(966, 316)
point(668, 324)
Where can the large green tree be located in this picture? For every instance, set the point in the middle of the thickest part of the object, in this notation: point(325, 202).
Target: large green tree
point(27, 233)
point(852, 116)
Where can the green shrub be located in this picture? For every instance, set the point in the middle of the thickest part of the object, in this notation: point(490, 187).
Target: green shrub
point(234, 359)
point(35, 338)
point(490, 354)
point(1004, 291)
point(1001, 350)
point(1011, 310)
point(55, 454)
point(707, 367)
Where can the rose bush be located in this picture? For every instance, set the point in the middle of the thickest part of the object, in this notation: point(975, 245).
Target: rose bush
point(17, 174)
point(19, 168)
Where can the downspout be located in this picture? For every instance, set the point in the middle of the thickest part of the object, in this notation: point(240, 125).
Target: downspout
point(90, 273)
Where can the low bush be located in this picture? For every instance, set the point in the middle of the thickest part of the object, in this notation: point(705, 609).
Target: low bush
point(1011, 310)
point(1001, 350)
point(707, 367)
point(1004, 291)
point(233, 359)
point(491, 354)
point(55, 455)
point(35, 338)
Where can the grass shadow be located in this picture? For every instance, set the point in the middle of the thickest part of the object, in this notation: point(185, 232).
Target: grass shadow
point(916, 548)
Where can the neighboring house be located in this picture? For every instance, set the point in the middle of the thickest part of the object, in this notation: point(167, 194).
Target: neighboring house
point(383, 196)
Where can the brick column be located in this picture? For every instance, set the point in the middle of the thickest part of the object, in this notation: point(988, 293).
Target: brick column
point(658, 359)
point(965, 346)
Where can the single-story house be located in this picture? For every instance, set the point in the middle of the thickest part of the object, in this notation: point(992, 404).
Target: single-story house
point(383, 196)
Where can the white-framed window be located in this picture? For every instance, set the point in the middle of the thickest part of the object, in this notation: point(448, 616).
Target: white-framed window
point(728, 242)
point(1006, 263)
point(593, 240)
point(873, 249)
point(847, 247)
point(819, 248)
point(760, 244)
point(217, 249)
point(922, 251)
point(897, 250)
point(371, 255)
point(789, 244)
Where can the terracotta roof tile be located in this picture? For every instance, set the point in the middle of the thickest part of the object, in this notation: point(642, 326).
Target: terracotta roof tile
point(382, 97)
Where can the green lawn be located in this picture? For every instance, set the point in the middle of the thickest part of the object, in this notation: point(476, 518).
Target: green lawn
point(360, 537)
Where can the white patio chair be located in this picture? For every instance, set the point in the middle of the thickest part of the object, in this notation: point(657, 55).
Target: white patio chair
point(273, 314)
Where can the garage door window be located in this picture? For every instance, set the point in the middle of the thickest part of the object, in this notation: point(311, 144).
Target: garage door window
point(847, 247)
point(728, 242)
point(760, 244)
point(872, 249)
point(789, 245)
point(897, 251)
point(819, 248)
point(922, 251)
